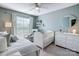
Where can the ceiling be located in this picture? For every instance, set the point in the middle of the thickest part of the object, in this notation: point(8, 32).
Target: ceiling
point(29, 8)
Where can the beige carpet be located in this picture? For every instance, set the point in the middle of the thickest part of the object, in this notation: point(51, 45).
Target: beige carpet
point(53, 50)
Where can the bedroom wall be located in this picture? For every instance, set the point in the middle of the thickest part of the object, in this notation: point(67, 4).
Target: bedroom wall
point(7, 15)
point(56, 20)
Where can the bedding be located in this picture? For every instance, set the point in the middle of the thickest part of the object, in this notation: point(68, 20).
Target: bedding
point(22, 47)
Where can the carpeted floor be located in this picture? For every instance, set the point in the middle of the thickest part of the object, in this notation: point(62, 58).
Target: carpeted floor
point(53, 50)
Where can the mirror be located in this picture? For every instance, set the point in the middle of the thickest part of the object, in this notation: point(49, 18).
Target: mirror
point(72, 20)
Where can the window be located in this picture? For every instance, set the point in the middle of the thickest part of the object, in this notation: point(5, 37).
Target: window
point(22, 26)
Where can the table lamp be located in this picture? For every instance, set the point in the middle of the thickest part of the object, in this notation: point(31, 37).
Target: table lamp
point(8, 26)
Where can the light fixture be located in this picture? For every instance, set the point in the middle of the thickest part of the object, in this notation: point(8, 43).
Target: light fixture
point(8, 24)
point(74, 31)
point(38, 7)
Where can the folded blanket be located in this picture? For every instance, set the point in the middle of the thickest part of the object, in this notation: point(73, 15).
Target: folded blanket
point(25, 51)
point(21, 47)
point(30, 50)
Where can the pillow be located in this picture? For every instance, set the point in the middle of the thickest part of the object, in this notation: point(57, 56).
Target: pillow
point(13, 38)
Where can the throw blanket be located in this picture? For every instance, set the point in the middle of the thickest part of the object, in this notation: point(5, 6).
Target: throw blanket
point(27, 51)
point(24, 48)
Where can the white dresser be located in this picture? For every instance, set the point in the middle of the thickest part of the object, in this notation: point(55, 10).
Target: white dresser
point(67, 40)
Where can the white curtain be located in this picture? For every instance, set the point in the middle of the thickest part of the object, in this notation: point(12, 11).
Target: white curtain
point(22, 25)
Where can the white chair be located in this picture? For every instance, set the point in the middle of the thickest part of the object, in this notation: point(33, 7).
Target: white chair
point(3, 44)
point(38, 39)
point(43, 39)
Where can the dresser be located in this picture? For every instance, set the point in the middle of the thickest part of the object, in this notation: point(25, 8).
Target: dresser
point(67, 40)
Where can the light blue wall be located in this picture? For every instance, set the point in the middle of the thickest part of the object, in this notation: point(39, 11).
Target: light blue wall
point(55, 20)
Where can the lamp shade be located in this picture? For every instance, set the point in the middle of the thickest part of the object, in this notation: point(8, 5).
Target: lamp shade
point(8, 24)
point(74, 31)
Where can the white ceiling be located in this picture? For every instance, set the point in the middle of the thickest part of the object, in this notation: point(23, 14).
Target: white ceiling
point(29, 7)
